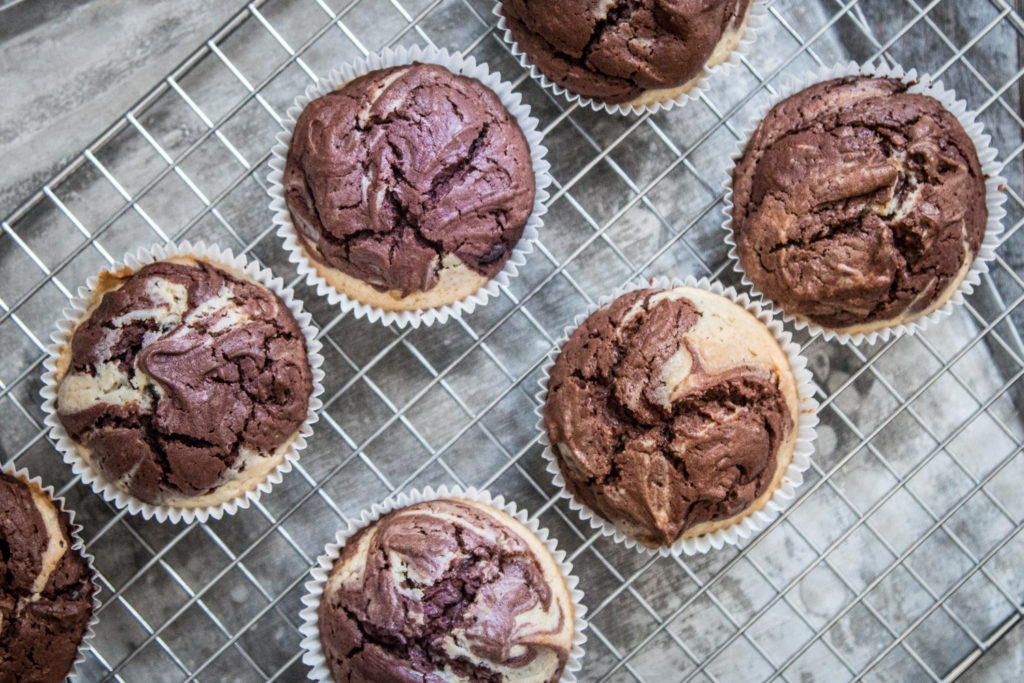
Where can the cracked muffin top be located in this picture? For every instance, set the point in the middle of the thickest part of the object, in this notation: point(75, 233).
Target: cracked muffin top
point(446, 590)
point(409, 187)
point(46, 587)
point(615, 50)
point(858, 205)
point(185, 384)
point(672, 413)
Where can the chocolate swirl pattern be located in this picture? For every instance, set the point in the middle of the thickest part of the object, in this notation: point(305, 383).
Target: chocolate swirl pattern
point(619, 51)
point(406, 180)
point(185, 384)
point(446, 590)
point(45, 587)
point(671, 413)
point(858, 205)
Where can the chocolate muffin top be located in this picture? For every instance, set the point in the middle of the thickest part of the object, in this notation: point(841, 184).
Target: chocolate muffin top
point(858, 205)
point(183, 380)
point(671, 413)
point(46, 587)
point(408, 171)
point(446, 590)
point(614, 50)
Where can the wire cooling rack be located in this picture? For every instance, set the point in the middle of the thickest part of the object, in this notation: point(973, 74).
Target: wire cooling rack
point(900, 558)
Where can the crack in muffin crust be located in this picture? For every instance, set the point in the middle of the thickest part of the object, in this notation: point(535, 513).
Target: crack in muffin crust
point(858, 205)
point(445, 590)
point(46, 587)
point(671, 413)
point(184, 382)
point(406, 173)
point(615, 50)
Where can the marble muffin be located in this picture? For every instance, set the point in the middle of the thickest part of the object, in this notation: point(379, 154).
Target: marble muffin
point(409, 187)
point(858, 205)
point(446, 590)
point(46, 586)
point(185, 383)
point(672, 414)
point(626, 51)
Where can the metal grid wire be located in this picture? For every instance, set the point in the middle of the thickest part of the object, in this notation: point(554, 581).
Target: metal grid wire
point(900, 557)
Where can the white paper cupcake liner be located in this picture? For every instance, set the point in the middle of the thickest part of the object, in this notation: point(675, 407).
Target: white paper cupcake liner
point(456, 63)
point(791, 479)
point(756, 14)
point(78, 546)
point(76, 313)
point(310, 629)
point(990, 167)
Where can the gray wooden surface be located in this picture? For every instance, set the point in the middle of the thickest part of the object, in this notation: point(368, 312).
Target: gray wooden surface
point(68, 68)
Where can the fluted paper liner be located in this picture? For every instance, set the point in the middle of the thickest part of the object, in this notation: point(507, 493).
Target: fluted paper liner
point(76, 545)
point(756, 16)
point(990, 167)
point(310, 629)
point(76, 312)
point(807, 407)
point(457, 64)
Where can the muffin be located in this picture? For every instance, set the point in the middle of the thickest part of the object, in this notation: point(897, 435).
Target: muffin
point(672, 414)
point(409, 186)
point(858, 205)
point(46, 587)
point(446, 590)
point(634, 52)
point(185, 383)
